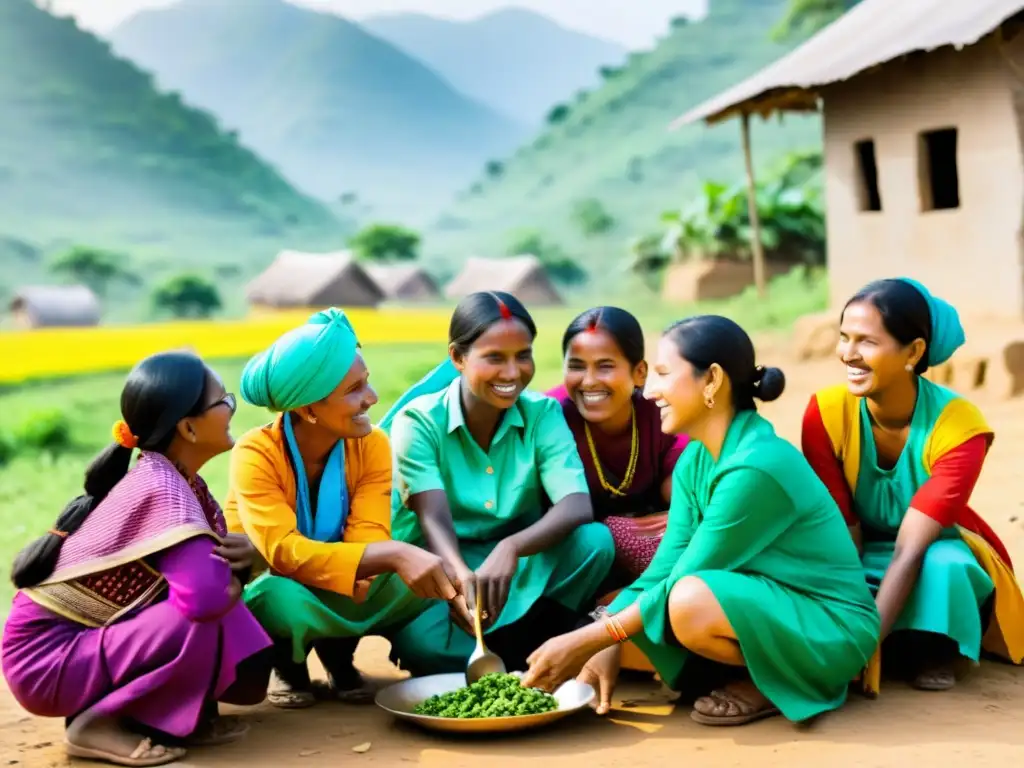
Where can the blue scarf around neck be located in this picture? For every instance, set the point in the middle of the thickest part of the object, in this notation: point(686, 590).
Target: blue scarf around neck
point(328, 525)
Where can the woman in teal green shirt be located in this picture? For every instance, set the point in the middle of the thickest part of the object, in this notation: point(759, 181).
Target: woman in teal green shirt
point(756, 568)
point(487, 476)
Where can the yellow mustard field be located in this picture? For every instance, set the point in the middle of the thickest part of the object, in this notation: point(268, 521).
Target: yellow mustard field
point(52, 352)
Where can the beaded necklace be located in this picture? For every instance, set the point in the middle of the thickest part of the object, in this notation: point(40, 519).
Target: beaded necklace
point(634, 454)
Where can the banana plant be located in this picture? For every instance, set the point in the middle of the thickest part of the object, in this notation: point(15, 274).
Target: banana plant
point(717, 222)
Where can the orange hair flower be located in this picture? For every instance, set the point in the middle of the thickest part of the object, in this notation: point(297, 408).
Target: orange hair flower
point(123, 435)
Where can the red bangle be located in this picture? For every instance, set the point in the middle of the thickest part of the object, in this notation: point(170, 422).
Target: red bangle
point(623, 637)
point(612, 629)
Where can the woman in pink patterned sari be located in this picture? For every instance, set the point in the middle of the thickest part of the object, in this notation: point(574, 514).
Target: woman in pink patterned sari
point(627, 459)
point(128, 621)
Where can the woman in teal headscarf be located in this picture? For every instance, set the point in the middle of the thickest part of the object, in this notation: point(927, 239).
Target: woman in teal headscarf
point(901, 456)
point(488, 477)
point(312, 492)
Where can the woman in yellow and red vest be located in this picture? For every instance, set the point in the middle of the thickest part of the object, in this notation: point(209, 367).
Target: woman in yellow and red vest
point(901, 456)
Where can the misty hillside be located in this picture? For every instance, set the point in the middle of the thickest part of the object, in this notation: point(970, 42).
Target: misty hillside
point(518, 62)
point(91, 153)
point(339, 110)
point(613, 145)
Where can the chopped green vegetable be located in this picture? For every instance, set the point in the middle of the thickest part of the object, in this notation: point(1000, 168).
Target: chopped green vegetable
point(494, 695)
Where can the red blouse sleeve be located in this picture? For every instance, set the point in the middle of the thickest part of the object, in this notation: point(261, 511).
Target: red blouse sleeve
point(944, 496)
point(817, 448)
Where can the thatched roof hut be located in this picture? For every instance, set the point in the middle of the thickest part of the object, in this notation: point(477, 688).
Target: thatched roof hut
point(522, 276)
point(55, 306)
point(924, 164)
point(404, 282)
point(296, 279)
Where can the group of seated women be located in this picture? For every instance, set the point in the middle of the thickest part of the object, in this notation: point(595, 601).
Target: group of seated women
point(770, 584)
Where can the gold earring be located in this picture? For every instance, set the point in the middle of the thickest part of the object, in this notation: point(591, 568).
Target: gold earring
point(909, 368)
point(709, 401)
point(311, 419)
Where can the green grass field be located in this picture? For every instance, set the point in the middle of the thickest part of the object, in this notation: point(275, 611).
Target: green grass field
point(34, 486)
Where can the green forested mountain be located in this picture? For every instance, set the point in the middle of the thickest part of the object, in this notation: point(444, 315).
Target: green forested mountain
point(339, 110)
point(613, 148)
point(91, 153)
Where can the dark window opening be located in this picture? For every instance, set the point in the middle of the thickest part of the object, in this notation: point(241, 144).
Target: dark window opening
point(938, 175)
point(869, 197)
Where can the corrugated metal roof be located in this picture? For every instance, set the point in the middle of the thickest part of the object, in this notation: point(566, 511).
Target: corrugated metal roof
point(872, 33)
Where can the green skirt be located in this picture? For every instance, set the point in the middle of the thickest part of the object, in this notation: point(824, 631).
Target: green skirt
point(801, 652)
point(287, 609)
point(569, 574)
point(949, 593)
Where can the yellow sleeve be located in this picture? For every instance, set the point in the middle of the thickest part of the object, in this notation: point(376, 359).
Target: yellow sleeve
point(369, 517)
point(268, 519)
point(959, 421)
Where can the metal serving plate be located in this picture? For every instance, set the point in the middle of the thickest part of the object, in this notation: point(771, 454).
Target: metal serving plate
point(402, 698)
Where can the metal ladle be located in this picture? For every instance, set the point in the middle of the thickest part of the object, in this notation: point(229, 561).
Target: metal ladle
point(481, 662)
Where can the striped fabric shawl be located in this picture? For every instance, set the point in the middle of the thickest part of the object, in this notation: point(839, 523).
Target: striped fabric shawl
point(104, 572)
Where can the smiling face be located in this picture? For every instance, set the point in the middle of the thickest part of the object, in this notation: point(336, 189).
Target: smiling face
point(345, 412)
point(678, 389)
point(873, 358)
point(599, 378)
point(499, 364)
point(211, 427)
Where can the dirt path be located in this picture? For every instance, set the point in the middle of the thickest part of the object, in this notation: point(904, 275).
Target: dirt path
point(977, 724)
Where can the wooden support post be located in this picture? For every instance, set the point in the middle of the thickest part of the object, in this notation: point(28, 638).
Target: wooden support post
point(757, 247)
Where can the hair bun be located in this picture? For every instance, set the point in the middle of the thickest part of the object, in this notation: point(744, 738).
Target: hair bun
point(769, 383)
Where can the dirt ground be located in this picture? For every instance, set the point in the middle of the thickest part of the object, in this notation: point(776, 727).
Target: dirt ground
point(976, 724)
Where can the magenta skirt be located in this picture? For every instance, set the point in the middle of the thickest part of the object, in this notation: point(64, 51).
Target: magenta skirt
point(158, 667)
point(633, 552)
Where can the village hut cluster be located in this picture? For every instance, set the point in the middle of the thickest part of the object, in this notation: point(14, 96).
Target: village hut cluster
point(298, 280)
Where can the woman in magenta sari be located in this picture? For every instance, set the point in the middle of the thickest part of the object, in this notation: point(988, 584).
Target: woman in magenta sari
point(628, 460)
point(127, 622)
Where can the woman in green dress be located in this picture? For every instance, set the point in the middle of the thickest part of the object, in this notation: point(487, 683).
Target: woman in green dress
point(487, 476)
point(756, 569)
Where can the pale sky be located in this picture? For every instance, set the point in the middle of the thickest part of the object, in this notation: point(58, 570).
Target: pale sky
point(636, 27)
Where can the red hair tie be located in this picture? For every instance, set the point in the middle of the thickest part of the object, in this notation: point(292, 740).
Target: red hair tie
point(506, 313)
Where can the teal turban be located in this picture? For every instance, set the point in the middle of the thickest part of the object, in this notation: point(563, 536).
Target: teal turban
point(947, 331)
point(303, 366)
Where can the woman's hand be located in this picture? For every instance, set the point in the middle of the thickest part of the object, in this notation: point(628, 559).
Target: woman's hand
point(601, 673)
point(424, 573)
point(459, 611)
point(564, 657)
point(237, 551)
point(235, 590)
point(493, 580)
point(361, 590)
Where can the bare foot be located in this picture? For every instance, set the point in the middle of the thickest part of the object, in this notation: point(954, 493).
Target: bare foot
point(738, 703)
point(105, 739)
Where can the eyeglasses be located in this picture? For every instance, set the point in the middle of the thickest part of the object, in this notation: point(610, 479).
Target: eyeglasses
point(228, 400)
